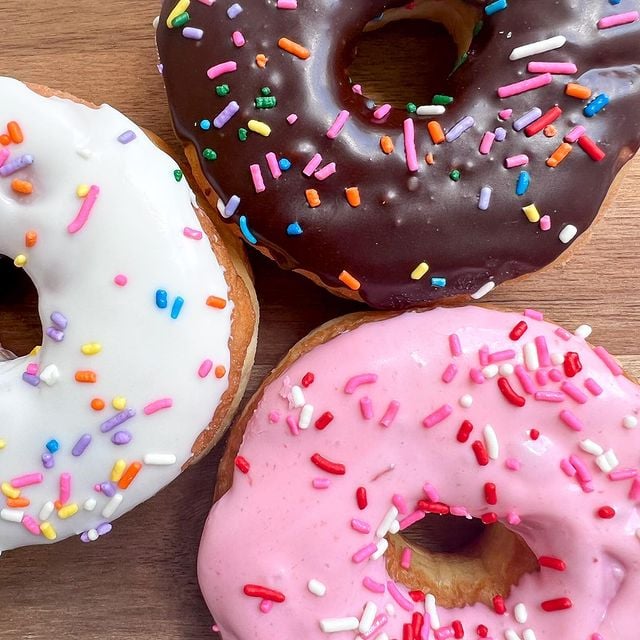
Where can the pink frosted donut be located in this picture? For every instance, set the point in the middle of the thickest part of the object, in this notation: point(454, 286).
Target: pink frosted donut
point(375, 423)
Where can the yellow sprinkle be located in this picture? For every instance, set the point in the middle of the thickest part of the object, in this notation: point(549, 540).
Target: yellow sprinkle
point(67, 511)
point(420, 271)
point(532, 213)
point(82, 190)
point(48, 531)
point(118, 470)
point(181, 7)
point(9, 491)
point(3, 443)
point(20, 260)
point(259, 127)
point(119, 403)
point(35, 351)
point(91, 348)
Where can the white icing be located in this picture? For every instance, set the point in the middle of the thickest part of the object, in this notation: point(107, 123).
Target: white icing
point(135, 229)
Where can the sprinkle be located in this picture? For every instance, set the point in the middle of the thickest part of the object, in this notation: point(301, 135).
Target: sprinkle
point(316, 587)
point(87, 377)
point(293, 48)
point(618, 20)
point(338, 125)
point(157, 405)
point(117, 420)
point(234, 10)
point(501, 134)
point(410, 145)
point(568, 233)
point(591, 148)
point(546, 119)
point(178, 10)
point(491, 442)
point(557, 604)
point(596, 105)
point(226, 114)
point(22, 186)
point(578, 91)
point(360, 526)
point(327, 465)
point(559, 68)
point(459, 128)
point(593, 387)
point(129, 475)
point(494, 7)
point(571, 420)
point(85, 210)
point(81, 445)
point(516, 161)
point(372, 585)
point(191, 33)
point(420, 271)
point(386, 144)
point(159, 459)
point(238, 39)
point(523, 86)
point(484, 199)
point(15, 165)
point(484, 290)
point(487, 142)
point(15, 132)
point(629, 422)
point(326, 171)
point(430, 110)
point(347, 279)
point(364, 554)
point(176, 308)
point(337, 625)
point(540, 46)
point(510, 395)
point(121, 280)
point(219, 69)
point(91, 348)
point(436, 132)
point(396, 594)
point(559, 154)
point(437, 416)
point(126, 137)
point(353, 196)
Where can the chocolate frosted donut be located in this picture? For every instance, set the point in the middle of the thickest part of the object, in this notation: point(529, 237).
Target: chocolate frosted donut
point(396, 207)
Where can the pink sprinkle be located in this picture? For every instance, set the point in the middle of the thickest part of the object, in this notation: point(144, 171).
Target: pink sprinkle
point(437, 416)
point(157, 405)
point(555, 375)
point(205, 368)
point(256, 176)
point(525, 85)
point(293, 425)
point(219, 69)
point(395, 593)
point(596, 636)
point(483, 355)
point(410, 145)
point(390, 414)
point(623, 474)
point(287, 4)
point(209, 3)
point(573, 392)
point(567, 467)
point(32, 369)
point(356, 381)
point(444, 633)
point(454, 345)
point(405, 558)
point(505, 114)
point(513, 464)
point(65, 487)
point(525, 379)
point(272, 163)
point(431, 492)
point(193, 234)
point(4, 156)
point(382, 111)
point(543, 351)
point(634, 491)
point(563, 333)
point(460, 512)
point(360, 526)
point(400, 503)
point(85, 210)
point(312, 165)
point(366, 408)
point(338, 125)
point(516, 161)
point(593, 387)
point(487, 142)
point(321, 483)
point(27, 480)
point(532, 313)
point(560, 68)
point(476, 375)
point(380, 621)
point(449, 373)
point(545, 223)
point(412, 518)
point(121, 280)
point(357, 89)
point(542, 377)
point(364, 554)
point(372, 585)
point(501, 356)
point(575, 133)
point(581, 468)
point(238, 39)
point(513, 518)
point(618, 19)
point(274, 417)
point(571, 420)
point(292, 118)
point(266, 605)
point(325, 172)
point(608, 359)
point(31, 525)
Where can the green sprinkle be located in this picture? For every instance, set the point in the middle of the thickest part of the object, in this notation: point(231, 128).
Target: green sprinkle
point(411, 107)
point(177, 174)
point(455, 175)
point(461, 60)
point(209, 154)
point(477, 28)
point(266, 103)
point(181, 20)
point(242, 134)
point(442, 100)
point(222, 89)
point(265, 91)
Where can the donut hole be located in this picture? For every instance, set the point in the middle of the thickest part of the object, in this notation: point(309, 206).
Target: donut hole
point(461, 561)
point(20, 327)
point(408, 56)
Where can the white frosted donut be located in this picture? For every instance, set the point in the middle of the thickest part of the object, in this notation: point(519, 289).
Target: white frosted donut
point(130, 383)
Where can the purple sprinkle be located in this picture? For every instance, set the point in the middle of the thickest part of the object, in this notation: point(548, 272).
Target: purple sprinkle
point(117, 420)
point(59, 320)
point(234, 10)
point(15, 165)
point(527, 119)
point(459, 128)
point(232, 206)
point(84, 536)
point(121, 437)
point(34, 381)
point(47, 461)
point(127, 137)
point(226, 114)
point(500, 134)
point(160, 68)
point(104, 528)
point(192, 33)
point(55, 334)
point(108, 488)
point(80, 446)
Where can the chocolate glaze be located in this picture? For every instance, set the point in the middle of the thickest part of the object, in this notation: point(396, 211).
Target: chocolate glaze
point(405, 218)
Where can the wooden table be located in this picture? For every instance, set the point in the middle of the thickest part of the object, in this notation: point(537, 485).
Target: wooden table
point(140, 581)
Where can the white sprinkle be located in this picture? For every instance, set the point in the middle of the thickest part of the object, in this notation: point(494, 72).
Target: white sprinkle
point(510, 634)
point(92, 534)
point(383, 527)
point(11, 515)
point(604, 464)
point(159, 458)
point(383, 545)
point(520, 613)
point(506, 369)
point(591, 447)
point(382, 636)
point(490, 371)
point(540, 46)
point(531, 356)
point(368, 616)
point(430, 606)
point(630, 422)
point(50, 375)
point(466, 400)
point(583, 331)
point(156, 22)
point(611, 458)
point(297, 397)
point(528, 634)
point(568, 234)
point(394, 528)
point(335, 625)
point(89, 504)
point(305, 416)
point(112, 505)
point(557, 358)
point(390, 610)
point(46, 511)
point(491, 442)
point(85, 153)
point(483, 290)
point(316, 587)
point(430, 110)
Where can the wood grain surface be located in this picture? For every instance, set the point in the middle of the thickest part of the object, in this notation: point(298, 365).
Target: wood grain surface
point(140, 581)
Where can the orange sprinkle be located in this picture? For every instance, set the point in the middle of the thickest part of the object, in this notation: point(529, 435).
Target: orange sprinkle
point(293, 48)
point(436, 132)
point(22, 186)
point(261, 60)
point(353, 196)
point(220, 371)
point(386, 144)
point(5, 140)
point(312, 197)
point(129, 475)
point(578, 91)
point(86, 376)
point(346, 278)
point(58, 505)
point(30, 239)
point(550, 131)
point(216, 303)
point(97, 404)
point(559, 154)
point(429, 159)
point(17, 503)
point(15, 132)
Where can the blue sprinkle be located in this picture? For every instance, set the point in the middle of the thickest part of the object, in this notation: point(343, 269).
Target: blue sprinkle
point(178, 303)
point(284, 164)
point(614, 1)
point(205, 125)
point(294, 229)
point(52, 446)
point(234, 10)
point(439, 282)
point(596, 105)
point(244, 228)
point(161, 299)
point(522, 186)
point(496, 6)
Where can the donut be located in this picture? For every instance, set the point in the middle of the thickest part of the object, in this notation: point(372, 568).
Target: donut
point(450, 473)
point(396, 207)
point(148, 321)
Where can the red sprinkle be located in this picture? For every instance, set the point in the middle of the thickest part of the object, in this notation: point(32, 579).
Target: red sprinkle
point(407, 632)
point(546, 119)
point(322, 422)
point(463, 432)
point(510, 394)
point(534, 434)
point(591, 148)
point(552, 563)
point(518, 331)
point(482, 631)
point(361, 498)
point(242, 464)
point(556, 605)
point(308, 379)
point(498, 605)
point(433, 507)
point(326, 465)
point(417, 622)
point(458, 629)
point(256, 591)
point(417, 596)
point(490, 493)
point(572, 364)
point(481, 453)
point(489, 518)
point(606, 513)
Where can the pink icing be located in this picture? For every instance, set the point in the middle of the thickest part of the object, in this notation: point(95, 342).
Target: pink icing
point(275, 530)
